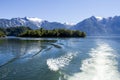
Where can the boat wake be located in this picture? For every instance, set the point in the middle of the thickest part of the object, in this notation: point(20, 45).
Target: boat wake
point(58, 63)
point(101, 65)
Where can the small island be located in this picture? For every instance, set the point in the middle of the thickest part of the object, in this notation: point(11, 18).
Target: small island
point(52, 33)
point(27, 32)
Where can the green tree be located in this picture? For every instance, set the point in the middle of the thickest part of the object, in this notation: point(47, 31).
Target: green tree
point(2, 34)
point(52, 33)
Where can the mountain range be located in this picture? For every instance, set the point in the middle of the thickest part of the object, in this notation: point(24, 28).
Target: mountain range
point(92, 25)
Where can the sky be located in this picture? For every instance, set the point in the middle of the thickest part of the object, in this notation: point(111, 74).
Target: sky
point(70, 11)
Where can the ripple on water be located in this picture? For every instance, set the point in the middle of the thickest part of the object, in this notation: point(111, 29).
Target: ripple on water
point(102, 65)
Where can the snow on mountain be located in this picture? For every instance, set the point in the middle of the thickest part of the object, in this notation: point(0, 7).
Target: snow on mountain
point(34, 19)
point(32, 22)
point(98, 17)
point(103, 26)
point(92, 26)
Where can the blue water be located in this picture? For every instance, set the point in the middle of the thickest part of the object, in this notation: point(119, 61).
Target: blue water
point(91, 58)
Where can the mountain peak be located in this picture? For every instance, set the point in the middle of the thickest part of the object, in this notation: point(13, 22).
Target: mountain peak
point(34, 19)
point(98, 17)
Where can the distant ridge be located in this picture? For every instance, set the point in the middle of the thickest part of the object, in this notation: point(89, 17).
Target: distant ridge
point(32, 22)
point(102, 26)
point(92, 25)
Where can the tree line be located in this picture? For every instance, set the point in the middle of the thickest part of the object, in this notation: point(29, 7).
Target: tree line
point(52, 33)
point(23, 31)
point(2, 34)
point(13, 31)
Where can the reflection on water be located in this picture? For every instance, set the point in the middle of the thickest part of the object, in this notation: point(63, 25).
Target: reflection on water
point(59, 59)
point(13, 49)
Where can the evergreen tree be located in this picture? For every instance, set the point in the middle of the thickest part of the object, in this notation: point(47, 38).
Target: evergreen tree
point(52, 33)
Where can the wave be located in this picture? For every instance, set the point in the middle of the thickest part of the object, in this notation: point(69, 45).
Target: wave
point(56, 45)
point(6, 58)
point(101, 65)
point(55, 64)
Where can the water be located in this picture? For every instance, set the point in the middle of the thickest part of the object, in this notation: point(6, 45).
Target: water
point(92, 58)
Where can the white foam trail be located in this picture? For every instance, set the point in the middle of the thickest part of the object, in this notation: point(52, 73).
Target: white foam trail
point(101, 66)
point(61, 62)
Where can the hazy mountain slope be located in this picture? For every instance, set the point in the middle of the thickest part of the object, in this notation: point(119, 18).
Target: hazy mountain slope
point(33, 23)
point(95, 26)
point(92, 26)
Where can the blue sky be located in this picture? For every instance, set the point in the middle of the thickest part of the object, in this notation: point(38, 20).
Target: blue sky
point(71, 11)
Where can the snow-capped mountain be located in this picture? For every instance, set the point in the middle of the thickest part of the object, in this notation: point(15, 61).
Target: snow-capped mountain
point(99, 26)
point(32, 22)
point(92, 26)
point(98, 17)
point(34, 19)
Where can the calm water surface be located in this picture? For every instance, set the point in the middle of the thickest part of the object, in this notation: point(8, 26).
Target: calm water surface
point(91, 58)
